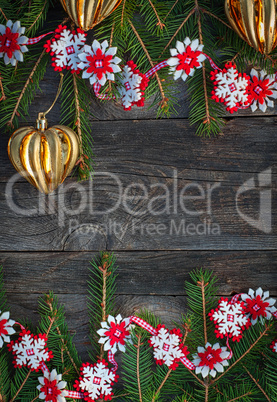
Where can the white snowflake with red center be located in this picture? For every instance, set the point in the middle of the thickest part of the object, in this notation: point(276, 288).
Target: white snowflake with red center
point(258, 305)
point(98, 63)
point(261, 87)
point(230, 319)
point(230, 87)
point(211, 359)
point(51, 387)
point(168, 347)
point(129, 87)
point(6, 328)
point(115, 333)
point(30, 350)
point(187, 57)
point(273, 346)
point(12, 44)
point(65, 48)
point(96, 381)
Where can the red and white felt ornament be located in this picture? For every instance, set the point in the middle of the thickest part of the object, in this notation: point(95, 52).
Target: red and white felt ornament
point(186, 57)
point(12, 43)
point(230, 319)
point(273, 346)
point(132, 86)
point(51, 387)
point(230, 87)
point(168, 346)
point(65, 48)
point(6, 328)
point(258, 305)
point(30, 350)
point(99, 62)
point(115, 333)
point(211, 359)
point(261, 87)
point(96, 381)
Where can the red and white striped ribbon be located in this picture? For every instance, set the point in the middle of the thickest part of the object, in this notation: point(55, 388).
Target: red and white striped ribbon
point(275, 314)
point(212, 63)
point(156, 68)
point(112, 361)
point(32, 41)
point(44, 368)
point(143, 324)
point(96, 88)
point(21, 326)
point(187, 363)
point(228, 346)
point(235, 298)
point(73, 394)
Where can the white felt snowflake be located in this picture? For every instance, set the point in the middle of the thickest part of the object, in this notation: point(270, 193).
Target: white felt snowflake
point(261, 87)
point(30, 350)
point(12, 44)
point(274, 346)
point(51, 387)
point(230, 319)
point(185, 58)
point(98, 63)
point(6, 328)
point(115, 333)
point(230, 87)
point(129, 89)
point(96, 381)
point(258, 305)
point(65, 48)
point(167, 345)
point(211, 359)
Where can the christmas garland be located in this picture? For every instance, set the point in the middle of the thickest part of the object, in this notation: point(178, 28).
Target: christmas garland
point(46, 365)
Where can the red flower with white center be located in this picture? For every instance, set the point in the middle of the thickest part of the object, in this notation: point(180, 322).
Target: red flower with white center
point(230, 87)
point(258, 305)
point(30, 350)
point(185, 58)
point(96, 381)
point(115, 333)
point(52, 387)
point(261, 87)
point(273, 346)
point(168, 346)
point(65, 48)
point(211, 359)
point(6, 328)
point(12, 44)
point(99, 64)
point(230, 319)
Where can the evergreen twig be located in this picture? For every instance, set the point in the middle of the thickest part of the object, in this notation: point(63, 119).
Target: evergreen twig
point(138, 374)
point(21, 386)
point(257, 384)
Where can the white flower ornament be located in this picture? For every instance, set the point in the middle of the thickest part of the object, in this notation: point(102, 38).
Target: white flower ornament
point(6, 328)
point(98, 63)
point(12, 44)
point(115, 333)
point(262, 87)
point(258, 305)
point(185, 58)
point(51, 387)
point(211, 359)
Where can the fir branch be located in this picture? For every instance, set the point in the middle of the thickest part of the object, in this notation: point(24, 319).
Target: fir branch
point(257, 384)
point(214, 16)
point(38, 17)
point(203, 285)
point(2, 12)
point(22, 385)
point(67, 351)
point(169, 12)
point(77, 106)
point(138, 374)
point(160, 24)
point(239, 397)
point(3, 97)
point(105, 273)
point(122, 12)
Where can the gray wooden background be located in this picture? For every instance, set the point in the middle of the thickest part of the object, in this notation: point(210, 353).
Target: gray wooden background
point(46, 251)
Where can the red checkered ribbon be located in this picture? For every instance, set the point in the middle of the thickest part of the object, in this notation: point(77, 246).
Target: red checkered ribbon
point(111, 360)
point(212, 63)
point(96, 88)
point(32, 41)
point(228, 346)
point(187, 363)
point(235, 298)
point(275, 314)
point(143, 324)
point(74, 394)
point(156, 68)
point(21, 326)
point(44, 368)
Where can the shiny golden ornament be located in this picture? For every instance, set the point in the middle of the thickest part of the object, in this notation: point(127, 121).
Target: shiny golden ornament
point(87, 13)
point(254, 21)
point(45, 157)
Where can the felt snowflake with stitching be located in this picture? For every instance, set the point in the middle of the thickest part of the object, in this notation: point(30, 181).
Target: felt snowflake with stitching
point(115, 333)
point(6, 328)
point(12, 44)
point(230, 87)
point(211, 359)
point(96, 381)
point(185, 58)
point(65, 48)
point(30, 350)
point(261, 87)
point(230, 319)
point(273, 346)
point(98, 63)
point(51, 387)
point(129, 88)
point(258, 305)
point(168, 347)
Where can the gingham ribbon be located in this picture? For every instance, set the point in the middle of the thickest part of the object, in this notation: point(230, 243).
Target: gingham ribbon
point(187, 363)
point(96, 88)
point(21, 326)
point(44, 368)
point(275, 314)
point(143, 324)
point(112, 361)
point(212, 63)
point(235, 298)
point(156, 68)
point(228, 346)
point(32, 41)
point(73, 394)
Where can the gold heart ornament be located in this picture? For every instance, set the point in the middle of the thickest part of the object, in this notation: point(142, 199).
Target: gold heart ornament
point(45, 157)
point(254, 21)
point(87, 13)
